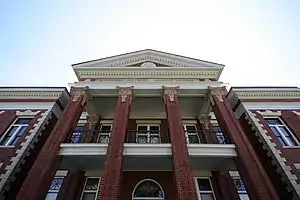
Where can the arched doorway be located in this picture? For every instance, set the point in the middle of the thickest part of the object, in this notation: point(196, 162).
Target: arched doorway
point(148, 189)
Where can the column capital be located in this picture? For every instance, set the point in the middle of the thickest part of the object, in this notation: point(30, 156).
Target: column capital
point(76, 92)
point(124, 92)
point(205, 120)
point(171, 92)
point(218, 92)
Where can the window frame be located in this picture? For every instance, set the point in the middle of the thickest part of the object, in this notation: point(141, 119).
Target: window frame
point(55, 191)
point(287, 142)
point(219, 133)
point(81, 125)
point(104, 135)
point(148, 134)
point(140, 198)
point(187, 134)
point(90, 191)
point(240, 192)
point(13, 136)
point(204, 192)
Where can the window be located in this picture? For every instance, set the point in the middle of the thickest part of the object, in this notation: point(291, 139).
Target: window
point(54, 188)
point(240, 187)
point(104, 133)
point(205, 190)
point(283, 134)
point(191, 133)
point(148, 189)
point(219, 134)
point(77, 134)
point(90, 188)
point(13, 134)
point(148, 134)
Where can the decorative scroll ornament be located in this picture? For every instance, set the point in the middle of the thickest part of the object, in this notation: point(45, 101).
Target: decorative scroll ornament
point(92, 120)
point(170, 92)
point(218, 92)
point(76, 92)
point(124, 92)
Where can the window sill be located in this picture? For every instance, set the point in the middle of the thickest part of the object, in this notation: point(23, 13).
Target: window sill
point(291, 147)
point(10, 146)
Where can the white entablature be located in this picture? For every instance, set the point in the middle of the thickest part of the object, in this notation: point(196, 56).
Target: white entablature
point(147, 64)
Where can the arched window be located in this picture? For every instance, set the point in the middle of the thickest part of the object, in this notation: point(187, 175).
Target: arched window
point(148, 189)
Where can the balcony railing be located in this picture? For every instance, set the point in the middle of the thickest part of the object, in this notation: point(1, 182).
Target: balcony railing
point(146, 137)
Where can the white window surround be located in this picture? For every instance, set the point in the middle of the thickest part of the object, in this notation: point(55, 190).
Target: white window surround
point(84, 191)
point(199, 192)
point(148, 133)
point(284, 138)
point(16, 131)
point(104, 134)
point(146, 198)
point(189, 133)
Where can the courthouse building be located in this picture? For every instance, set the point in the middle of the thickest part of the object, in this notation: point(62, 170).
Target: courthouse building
point(149, 125)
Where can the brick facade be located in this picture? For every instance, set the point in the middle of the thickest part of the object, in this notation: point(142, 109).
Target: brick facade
point(72, 186)
point(45, 165)
point(182, 172)
point(252, 172)
point(131, 178)
point(284, 159)
point(112, 176)
point(223, 185)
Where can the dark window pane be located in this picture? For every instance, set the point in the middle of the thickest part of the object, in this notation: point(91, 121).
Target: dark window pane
point(56, 184)
point(21, 131)
point(142, 139)
point(79, 129)
point(217, 128)
point(89, 196)
point(207, 196)
point(75, 137)
point(281, 141)
point(91, 184)
point(154, 128)
point(191, 129)
point(239, 185)
point(273, 121)
point(23, 121)
point(148, 189)
point(105, 128)
point(154, 139)
point(12, 130)
point(204, 184)
point(142, 128)
point(193, 139)
point(291, 140)
point(275, 131)
point(284, 131)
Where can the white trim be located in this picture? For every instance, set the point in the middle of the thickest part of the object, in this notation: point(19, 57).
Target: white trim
point(163, 149)
point(20, 126)
point(193, 122)
point(61, 173)
point(98, 186)
point(198, 192)
point(271, 105)
point(155, 122)
point(25, 105)
point(33, 93)
point(147, 179)
point(107, 121)
point(280, 132)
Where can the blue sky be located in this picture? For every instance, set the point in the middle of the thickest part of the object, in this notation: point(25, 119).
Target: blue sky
point(258, 41)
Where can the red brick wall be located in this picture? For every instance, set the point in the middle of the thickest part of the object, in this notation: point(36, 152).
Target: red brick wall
point(266, 160)
point(131, 178)
point(290, 154)
point(8, 152)
point(21, 175)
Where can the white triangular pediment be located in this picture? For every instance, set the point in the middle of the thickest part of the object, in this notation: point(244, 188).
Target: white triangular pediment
point(137, 58)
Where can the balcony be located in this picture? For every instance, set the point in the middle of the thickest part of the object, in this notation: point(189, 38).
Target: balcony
point(145, 150)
